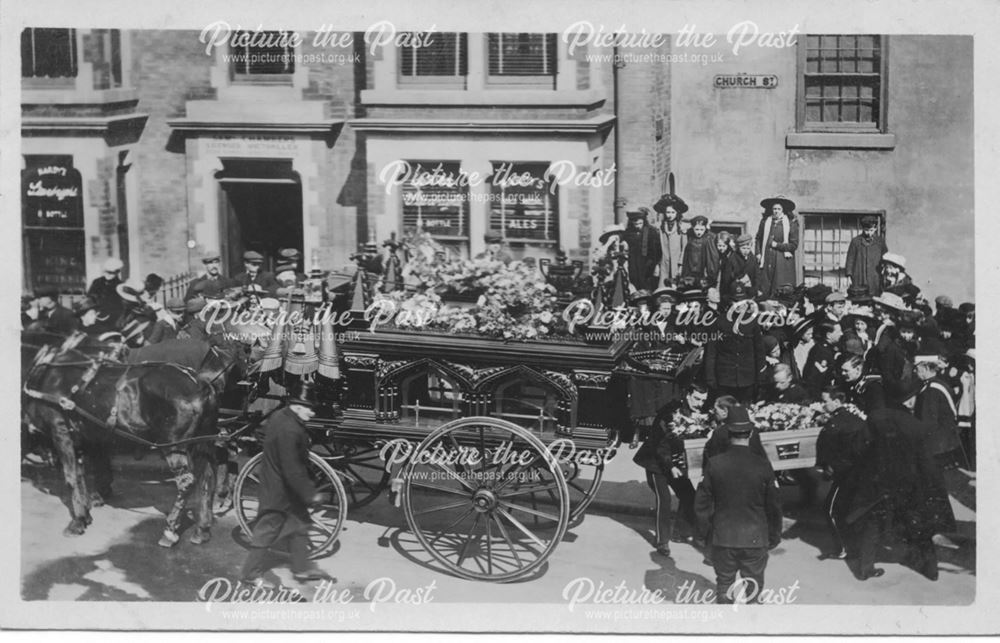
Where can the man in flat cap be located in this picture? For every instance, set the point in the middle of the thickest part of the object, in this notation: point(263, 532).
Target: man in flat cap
point(644, 251)
point(212, 284)
point(253, 279)
point(864, 254)
point(701, 254)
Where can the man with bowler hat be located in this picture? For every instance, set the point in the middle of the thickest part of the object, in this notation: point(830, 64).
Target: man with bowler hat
point(286, 491)
point(737, 504)
point(53, 316)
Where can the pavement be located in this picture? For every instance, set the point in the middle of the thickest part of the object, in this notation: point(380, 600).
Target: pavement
point(117, 559)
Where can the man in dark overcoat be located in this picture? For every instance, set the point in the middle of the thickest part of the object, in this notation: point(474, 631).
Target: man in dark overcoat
point(737, 503)
point(734, 356)
point(864, 255)
point(286, 491)
point(644, 251)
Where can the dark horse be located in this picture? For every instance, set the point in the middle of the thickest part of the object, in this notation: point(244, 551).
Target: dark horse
point(81, 401)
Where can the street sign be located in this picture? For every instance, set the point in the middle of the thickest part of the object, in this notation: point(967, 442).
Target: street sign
point(746, 81)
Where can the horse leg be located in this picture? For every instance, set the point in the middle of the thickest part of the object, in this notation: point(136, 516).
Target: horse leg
point(180, 466)
point(204, 464)
point(225, 479)
point(100, 461)
point(74, 474)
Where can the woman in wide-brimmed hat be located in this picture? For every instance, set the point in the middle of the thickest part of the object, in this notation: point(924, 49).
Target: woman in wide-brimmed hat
point(671, 209)
point(777, 241)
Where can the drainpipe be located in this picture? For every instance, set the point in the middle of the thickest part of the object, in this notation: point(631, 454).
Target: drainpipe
point(619, 201)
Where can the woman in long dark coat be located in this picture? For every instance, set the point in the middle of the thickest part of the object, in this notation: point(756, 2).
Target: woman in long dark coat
point(777, 241)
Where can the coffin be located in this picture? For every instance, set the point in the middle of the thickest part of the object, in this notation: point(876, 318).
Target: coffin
point(785, 449)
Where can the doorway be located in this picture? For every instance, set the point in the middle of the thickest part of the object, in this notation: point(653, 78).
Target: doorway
point(262, 213)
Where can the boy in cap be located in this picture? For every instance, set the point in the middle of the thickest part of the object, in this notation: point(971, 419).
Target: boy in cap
point(212, 284)
point(253, 279)
point(740, 266)
point(864, 254)
point(737, 505)
point(644, 251)
point(286, 490)
point(700, 260)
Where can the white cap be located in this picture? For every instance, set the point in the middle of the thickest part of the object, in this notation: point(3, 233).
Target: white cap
point(113, 265)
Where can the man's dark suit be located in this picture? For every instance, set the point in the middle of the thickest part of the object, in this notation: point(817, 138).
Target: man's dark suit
point(737, 501)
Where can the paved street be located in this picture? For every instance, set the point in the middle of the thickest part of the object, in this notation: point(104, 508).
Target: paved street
point(118, 559)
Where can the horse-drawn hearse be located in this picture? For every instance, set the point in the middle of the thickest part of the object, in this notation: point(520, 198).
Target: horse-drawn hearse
point(492, 446)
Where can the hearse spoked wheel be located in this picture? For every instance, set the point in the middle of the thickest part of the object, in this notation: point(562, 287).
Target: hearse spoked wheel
point(327, 518)
point(360, 466)
point(466, 494)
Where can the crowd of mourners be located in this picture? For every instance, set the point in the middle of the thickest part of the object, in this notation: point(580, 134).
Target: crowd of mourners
point(894, 374)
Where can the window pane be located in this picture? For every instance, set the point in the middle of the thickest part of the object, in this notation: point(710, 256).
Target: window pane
point(50, 53)
point(832, 91)
point(825, 261)
point(521, 54)
point(444, 55)
point(438, 205)
point(270, 53)
point(524, 207)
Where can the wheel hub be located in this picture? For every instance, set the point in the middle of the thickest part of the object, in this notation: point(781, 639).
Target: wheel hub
point(484, 500)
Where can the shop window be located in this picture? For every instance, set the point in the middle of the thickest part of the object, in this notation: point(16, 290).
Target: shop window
point(52, 211)
point(49, 53)
point(826, 237)
point(524, 203)
point(438, 59)
point(436, 200)
point(430, 399)
point(522, 59)
point(262, 57)
point(842, 84)
point(529, 404)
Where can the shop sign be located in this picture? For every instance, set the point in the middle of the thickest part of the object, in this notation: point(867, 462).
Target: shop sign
point(52, 195)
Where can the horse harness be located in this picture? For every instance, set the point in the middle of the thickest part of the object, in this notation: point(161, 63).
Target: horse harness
point(68, 404)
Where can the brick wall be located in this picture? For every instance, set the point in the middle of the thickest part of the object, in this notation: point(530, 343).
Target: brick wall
point(168, 68)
